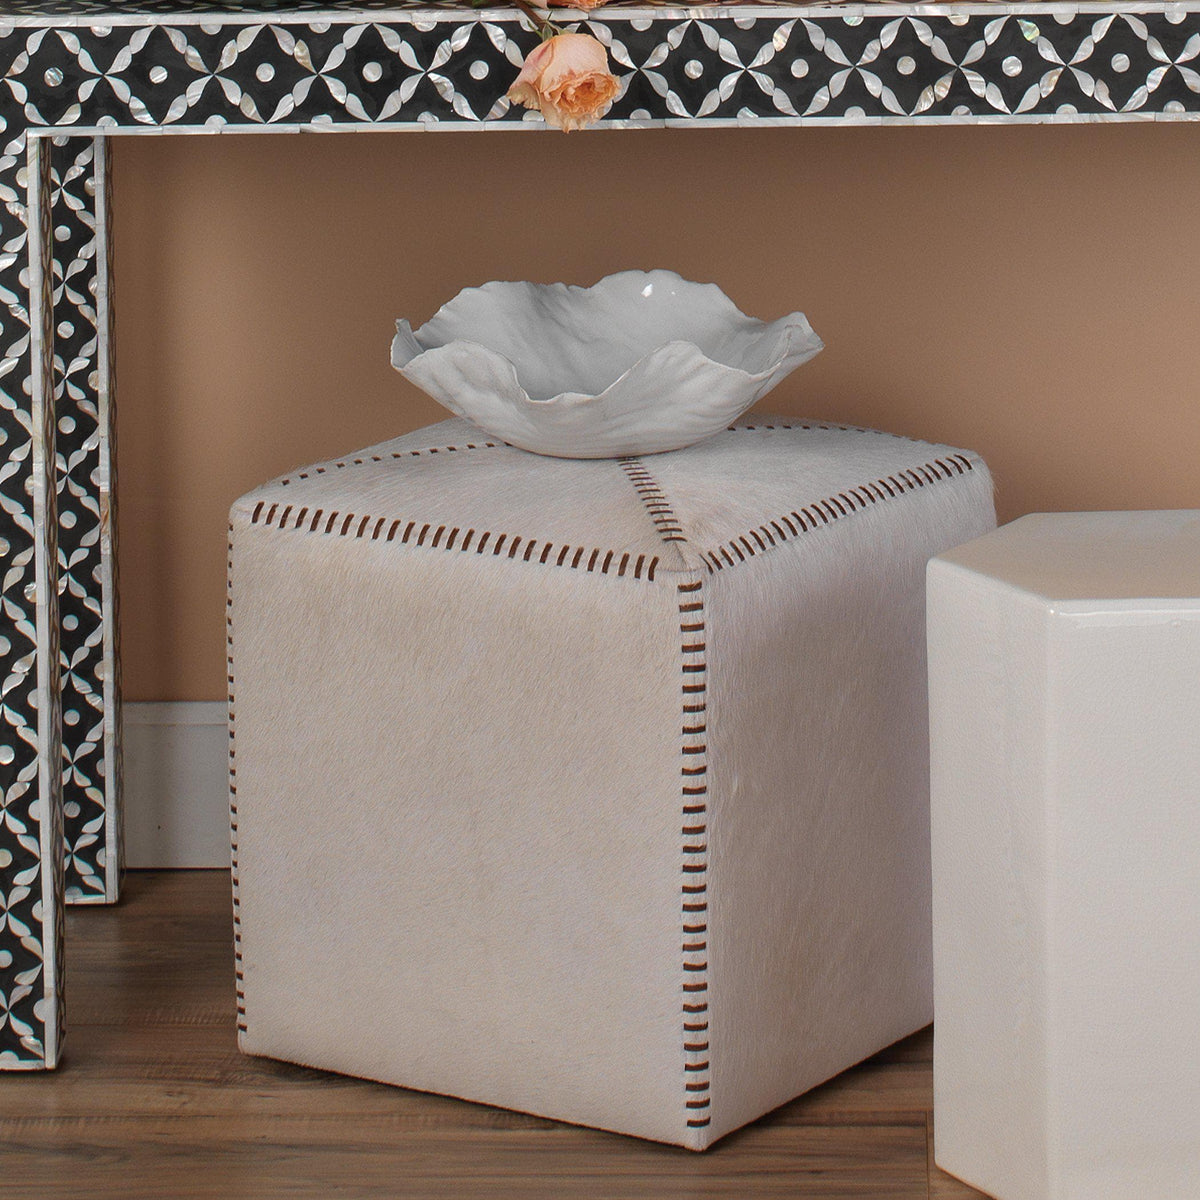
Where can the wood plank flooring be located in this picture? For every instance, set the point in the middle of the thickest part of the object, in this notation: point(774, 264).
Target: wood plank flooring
point(154, 1102)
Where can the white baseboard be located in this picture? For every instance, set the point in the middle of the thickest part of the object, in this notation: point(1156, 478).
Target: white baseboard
point(176, 784)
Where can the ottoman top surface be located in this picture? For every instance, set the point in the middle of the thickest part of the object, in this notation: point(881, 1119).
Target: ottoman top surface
point(1092, 556)
point(713, 504)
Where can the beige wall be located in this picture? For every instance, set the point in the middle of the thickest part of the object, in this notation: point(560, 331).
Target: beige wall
point(1030, 293)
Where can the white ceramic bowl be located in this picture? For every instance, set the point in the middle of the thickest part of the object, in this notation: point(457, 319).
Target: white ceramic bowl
point(641, 362)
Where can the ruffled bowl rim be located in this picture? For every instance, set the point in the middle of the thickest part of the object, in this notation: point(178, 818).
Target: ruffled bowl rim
point(406, 336)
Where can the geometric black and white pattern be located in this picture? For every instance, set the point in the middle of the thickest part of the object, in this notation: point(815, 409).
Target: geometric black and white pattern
point(75, 72)
point(31, 836)
point(79, 179)
point(185, 65)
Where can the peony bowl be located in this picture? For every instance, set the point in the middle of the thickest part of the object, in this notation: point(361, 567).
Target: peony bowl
point(639, 363)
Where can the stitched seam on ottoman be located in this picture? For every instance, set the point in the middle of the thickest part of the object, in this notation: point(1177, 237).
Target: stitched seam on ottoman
point(825, 425)
point(694, 902)
point(481, 541)
point(824, 512)
point(747, 428)
point(657, 505)
point(324, 468)
point(233, 810)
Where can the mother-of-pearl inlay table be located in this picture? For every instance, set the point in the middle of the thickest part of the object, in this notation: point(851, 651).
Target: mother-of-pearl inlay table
point(76, 73)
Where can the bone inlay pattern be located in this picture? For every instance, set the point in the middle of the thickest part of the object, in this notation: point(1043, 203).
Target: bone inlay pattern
point(85, 543)
point(31, 835)
point(22, 1030)
point(191, 66)
point(81, 70)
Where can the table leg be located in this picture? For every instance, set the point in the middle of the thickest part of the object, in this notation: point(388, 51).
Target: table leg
point(31, 857)
point(82, 263)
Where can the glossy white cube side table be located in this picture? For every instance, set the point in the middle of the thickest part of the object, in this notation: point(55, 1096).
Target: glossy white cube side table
point(1064, 657)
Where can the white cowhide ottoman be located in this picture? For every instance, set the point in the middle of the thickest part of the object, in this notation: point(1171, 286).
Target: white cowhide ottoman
point(1064, 658)
point(593, 789)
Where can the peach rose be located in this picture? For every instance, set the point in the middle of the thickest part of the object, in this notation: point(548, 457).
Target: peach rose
point(568, 79)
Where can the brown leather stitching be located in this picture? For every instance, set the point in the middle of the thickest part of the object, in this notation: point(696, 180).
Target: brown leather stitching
point(602, 562)
point(825, 512)
point(746, 427)
point(654, 500)
point(756, 541)
point(694, 865)
point(233, 808)
point(358, 462)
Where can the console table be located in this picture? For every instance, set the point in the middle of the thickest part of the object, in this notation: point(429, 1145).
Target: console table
point(77, 72)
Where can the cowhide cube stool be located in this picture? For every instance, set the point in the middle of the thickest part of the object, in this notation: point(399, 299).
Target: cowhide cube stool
point(593, 789)
point(1064, 655)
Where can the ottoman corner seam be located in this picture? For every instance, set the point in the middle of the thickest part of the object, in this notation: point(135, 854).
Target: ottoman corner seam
point(659, 509)
point(819, 513)
point(322, 468)
point(239, 971)
point(694, 902)
point(338, 523)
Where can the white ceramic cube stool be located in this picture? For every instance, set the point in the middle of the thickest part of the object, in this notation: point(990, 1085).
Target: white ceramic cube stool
point(593, 789)
point(1064, 657)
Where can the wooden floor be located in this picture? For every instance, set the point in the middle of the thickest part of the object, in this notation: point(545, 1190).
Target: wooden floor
point(154, 1101)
